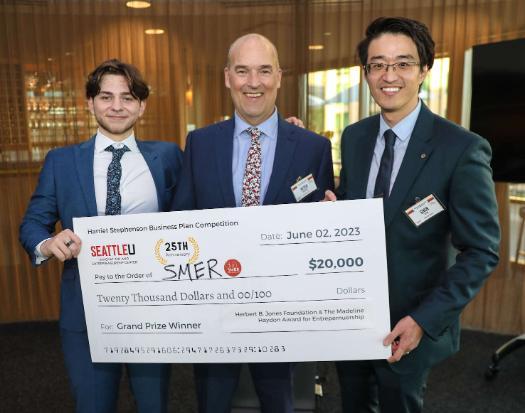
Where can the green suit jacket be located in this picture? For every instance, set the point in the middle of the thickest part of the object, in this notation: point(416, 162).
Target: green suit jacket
point(435, 269)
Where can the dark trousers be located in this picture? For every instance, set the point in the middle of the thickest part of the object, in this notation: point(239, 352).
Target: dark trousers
point(216, 384)
point(373, 386)
point(95, 385)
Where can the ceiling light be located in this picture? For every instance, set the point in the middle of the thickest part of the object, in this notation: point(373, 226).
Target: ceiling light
point(154, 31)
point(315, 47)
point(138, 4)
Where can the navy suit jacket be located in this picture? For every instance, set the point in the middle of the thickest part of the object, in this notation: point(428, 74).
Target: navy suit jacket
point(66, 190)
point(426, 281)
point(206, 180)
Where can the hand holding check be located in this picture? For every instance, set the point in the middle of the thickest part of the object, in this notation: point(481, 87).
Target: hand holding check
point(64, 245)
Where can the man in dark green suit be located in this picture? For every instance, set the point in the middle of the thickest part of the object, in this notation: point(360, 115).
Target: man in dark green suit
point(438, 193)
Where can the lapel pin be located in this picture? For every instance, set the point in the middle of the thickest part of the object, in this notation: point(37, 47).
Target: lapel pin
point(423, 155)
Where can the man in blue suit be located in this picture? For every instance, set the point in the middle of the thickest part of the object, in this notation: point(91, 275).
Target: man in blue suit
point(111, 173)
point(436, 184)
point(252, 159)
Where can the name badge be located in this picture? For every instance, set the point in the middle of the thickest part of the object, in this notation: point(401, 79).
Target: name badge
point(424, 210)
point(303, 187)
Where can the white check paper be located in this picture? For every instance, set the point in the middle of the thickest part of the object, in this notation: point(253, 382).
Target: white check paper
point(300, 282)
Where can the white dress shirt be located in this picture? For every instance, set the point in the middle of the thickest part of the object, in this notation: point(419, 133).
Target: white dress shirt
point(137, 188)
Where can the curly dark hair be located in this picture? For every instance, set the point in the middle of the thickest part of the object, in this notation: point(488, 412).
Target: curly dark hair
point(137, 86)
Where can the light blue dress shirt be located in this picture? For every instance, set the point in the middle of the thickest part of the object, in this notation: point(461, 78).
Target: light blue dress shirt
point(241, 146)
point(403, 131)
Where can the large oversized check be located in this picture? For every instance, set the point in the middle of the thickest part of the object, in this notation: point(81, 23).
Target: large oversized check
point(273, 283)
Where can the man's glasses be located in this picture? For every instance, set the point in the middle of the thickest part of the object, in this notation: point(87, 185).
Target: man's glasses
point(377, 68)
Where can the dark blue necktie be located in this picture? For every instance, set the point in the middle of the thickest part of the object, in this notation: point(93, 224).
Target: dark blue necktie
point(113, 199)
point(382, 188)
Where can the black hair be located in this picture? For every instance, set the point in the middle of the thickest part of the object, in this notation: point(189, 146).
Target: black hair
point(417, 31)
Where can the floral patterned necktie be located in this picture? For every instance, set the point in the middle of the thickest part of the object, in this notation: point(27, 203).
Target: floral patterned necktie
point(113, 199)
point(251, 183)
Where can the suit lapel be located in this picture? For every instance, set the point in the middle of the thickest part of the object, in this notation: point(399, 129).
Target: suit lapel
point(365, 143)
point(84, 155)
point(157, 172)
point(418, 152)
point(284, 151)
point(223, 155)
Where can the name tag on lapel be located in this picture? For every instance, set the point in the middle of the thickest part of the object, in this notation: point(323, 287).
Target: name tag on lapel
point(303, 187)
point(424, 210)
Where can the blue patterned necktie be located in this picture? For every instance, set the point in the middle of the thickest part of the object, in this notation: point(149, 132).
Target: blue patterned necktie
point(382, 188)
point(113, 199)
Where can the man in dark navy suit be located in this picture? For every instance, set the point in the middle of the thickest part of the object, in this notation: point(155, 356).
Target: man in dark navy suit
point(111, 173)
point(252, 159)
point(436, 184)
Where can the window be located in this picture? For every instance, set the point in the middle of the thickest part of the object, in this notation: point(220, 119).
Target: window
point(333, 103)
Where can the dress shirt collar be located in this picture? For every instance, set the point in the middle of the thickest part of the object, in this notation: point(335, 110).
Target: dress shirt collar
point(102, 142)
point(267, 128)
point(403, 129)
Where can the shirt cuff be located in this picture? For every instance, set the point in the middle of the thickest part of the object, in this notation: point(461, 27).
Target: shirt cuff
point(39, 257)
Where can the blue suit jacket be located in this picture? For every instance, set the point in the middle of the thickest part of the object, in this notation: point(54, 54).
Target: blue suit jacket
point(206, 180)
point(425, 280)
point(66, 190)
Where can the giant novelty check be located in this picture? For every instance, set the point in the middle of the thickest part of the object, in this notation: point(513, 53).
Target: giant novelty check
point(277, 283)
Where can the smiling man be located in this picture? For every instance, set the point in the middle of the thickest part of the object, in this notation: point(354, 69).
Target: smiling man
point(112, 173)
point(436, 184)
point(252, 159)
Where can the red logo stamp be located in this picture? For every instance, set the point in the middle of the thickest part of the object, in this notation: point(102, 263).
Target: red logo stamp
point(232, 268)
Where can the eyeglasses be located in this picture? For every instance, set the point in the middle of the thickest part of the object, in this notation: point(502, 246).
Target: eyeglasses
point(377, 68)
